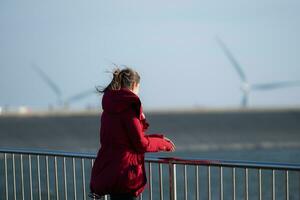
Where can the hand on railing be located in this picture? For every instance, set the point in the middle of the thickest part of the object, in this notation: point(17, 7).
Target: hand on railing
point(172, 144)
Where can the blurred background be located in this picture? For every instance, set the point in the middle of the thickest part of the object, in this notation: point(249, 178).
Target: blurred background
point(220, 78)
point(172, 44)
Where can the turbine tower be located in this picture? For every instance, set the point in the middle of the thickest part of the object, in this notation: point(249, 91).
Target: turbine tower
point(246, 87)
point(62, 102)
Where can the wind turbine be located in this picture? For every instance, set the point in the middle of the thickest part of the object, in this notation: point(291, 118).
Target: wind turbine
point(54, 87)
point(246, 87)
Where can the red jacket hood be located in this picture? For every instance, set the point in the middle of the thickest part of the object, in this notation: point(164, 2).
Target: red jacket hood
point(116, 101)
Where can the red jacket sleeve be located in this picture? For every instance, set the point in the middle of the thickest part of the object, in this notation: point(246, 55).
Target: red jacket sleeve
point(155, 135)
point(141, 142)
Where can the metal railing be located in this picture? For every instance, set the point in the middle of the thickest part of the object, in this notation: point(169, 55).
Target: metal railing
point(40, 174)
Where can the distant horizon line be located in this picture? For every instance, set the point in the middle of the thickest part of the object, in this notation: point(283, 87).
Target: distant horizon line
point(93, 111)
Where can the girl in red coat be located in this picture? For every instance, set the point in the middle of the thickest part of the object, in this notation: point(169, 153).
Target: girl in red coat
point(119, 168)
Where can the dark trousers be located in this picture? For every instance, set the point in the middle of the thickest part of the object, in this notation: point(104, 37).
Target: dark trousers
point(122, 197)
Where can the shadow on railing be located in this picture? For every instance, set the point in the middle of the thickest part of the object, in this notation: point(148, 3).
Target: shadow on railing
point(41, 174)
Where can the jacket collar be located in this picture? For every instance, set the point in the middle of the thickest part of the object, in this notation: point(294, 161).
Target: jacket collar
point(116, 101)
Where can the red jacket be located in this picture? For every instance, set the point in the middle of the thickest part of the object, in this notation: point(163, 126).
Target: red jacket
point(119, 166)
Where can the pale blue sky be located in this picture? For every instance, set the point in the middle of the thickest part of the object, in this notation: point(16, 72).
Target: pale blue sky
point(170, 43)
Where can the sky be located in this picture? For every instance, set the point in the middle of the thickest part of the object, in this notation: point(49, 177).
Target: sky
point(170, 43)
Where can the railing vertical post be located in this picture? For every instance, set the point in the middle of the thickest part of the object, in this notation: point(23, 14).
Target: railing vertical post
point(39, 177)
point(246, 184)
point(197, 181)
point(259, 184)
point(22, 176)
point(172, 181)
point(208, 183)
point(74, 178)
point(92, 163)
point(287, 184)
point(273, 185)
point(30, 177)
point(47, 177)
point(150, 180)
point(233, 184)
point(161, 189)
point(14, 176)
point(5, 169)
point(185, 182)
point(221, 184)
point(83, 178)
point(65, 179)
point(56, 178)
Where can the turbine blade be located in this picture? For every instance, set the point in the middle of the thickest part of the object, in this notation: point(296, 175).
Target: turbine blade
point(232, 60)
point(81, 95)
point(48, 81)
point(275, 85)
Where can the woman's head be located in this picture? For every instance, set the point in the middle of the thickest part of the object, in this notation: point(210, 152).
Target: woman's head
point(125, 78)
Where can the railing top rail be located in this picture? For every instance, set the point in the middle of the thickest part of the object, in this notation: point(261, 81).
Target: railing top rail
point(225, 163)
point(164, 159)
point(45, 152)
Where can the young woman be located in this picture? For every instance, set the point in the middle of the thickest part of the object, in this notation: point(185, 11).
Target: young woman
point(119, 168)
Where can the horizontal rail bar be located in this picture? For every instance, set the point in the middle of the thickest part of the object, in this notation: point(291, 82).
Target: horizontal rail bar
point(225, 163)
point(174, 160)
point(47, 152)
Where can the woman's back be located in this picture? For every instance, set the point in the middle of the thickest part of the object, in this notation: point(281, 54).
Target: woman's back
point(119, 166)
point(117, 153)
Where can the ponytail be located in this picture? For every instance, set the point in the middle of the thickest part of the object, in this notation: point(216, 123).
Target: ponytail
point(121, 79)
